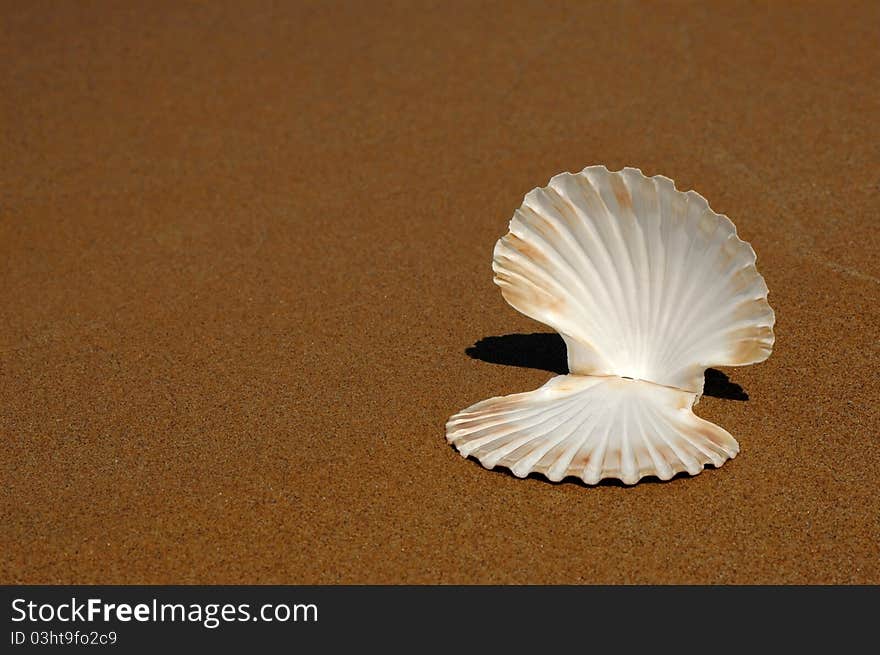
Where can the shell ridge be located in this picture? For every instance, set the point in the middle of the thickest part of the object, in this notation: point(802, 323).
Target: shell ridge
point(683, 295)
point(476, 440)
point(658, 311)
point(708, 455)
point(707, 294)
point(499, 438)
point(720, 325)
point(579, 439)
point(672, 307)
point(660, 466)
point(561, 321)
point(634, 242)
point(557, 199)
point(630, 297)
point(577, 426)
point(601, 239)
point(693, 307)
point(687, 452)
point(651, 266)
point(572, 240)
point(676, 302)
point(505, 276)
point(517, 459)
point(485, 446)
point(573, 275)
point(646, 281)
point(583, 186)
point(627, 458)
point(474, 427)
point(717, 323)
point(500, 405)
point(513, 260)
point(655, 421)
point(592, 471)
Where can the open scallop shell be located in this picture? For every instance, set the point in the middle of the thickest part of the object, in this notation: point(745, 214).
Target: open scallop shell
point(648, 287)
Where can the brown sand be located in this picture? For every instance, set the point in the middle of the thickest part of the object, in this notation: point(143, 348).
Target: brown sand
point(243, 251)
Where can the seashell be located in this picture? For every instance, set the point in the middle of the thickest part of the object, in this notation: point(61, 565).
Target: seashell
point(592, 427)
point(648, 287)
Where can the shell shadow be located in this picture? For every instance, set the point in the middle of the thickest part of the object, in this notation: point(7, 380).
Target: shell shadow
point(546, 351)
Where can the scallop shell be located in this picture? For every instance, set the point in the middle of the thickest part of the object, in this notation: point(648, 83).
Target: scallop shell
point(592, 428)
point(648, 287)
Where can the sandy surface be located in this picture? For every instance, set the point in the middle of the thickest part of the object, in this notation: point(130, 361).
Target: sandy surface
point(243, 252)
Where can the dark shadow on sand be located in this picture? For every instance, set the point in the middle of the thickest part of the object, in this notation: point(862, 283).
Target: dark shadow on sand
point(546, 351)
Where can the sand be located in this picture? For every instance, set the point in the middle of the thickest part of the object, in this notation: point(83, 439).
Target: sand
point(245, 247)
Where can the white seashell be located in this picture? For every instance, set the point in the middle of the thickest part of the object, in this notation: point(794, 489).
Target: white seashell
point(643, 282)
point(592, 427)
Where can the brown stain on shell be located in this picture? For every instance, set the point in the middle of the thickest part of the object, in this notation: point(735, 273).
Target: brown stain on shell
point(735, 248)
point(744, 279)
point(526, 249)
point(757, 309)
point(579, 462)
point(752, 345)
point(526, 298)
point(562, 207)
point(482, 423)
point(711, 434)
point(543, 225)
point(684, 401)
point(708, 224)
point(621, 192)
